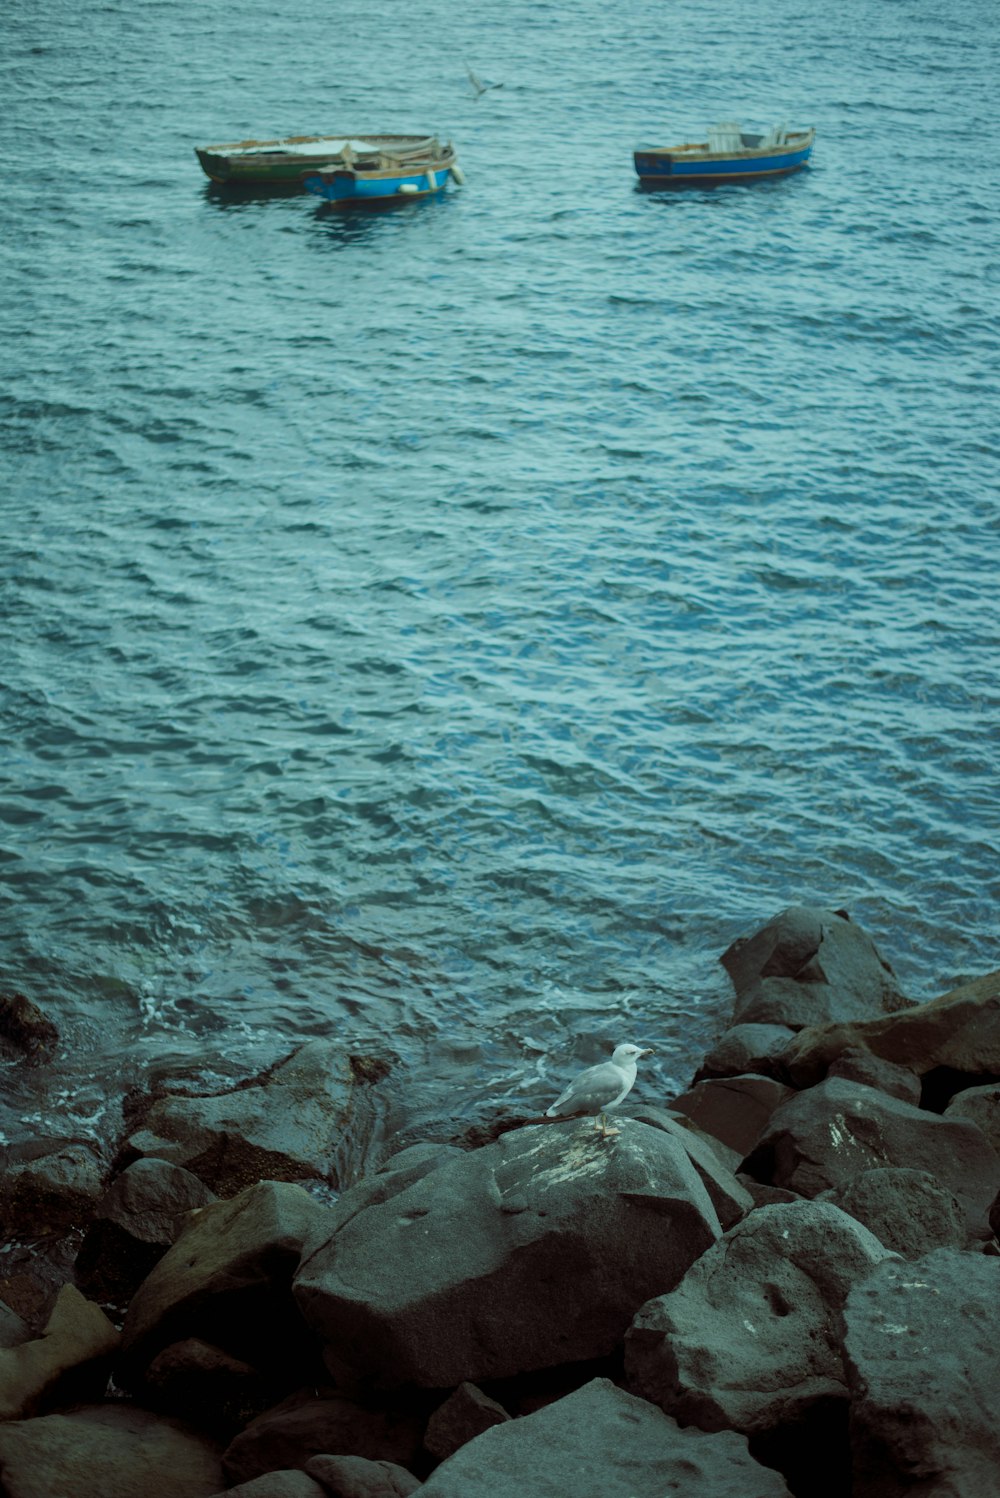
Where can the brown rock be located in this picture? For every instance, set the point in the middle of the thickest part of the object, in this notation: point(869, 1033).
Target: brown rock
point(733, 1109)
point(77, 1339)
point(465, 1413)
point(111, 1450)
point(356, 1477)
point(26, 1030)
point(303, 1426)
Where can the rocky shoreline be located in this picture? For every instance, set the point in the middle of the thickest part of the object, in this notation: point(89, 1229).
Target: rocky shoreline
point(784, 1281)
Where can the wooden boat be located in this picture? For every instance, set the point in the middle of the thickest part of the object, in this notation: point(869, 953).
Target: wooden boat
point(278, 165)
point(729, 155)
point(383, 169)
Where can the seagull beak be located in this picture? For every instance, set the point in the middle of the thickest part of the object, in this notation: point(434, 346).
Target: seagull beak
point(648, 1052)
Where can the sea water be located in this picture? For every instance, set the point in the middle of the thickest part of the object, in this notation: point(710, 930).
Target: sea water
point(446, 630)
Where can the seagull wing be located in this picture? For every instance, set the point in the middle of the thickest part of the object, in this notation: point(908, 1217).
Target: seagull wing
point(596, 1088)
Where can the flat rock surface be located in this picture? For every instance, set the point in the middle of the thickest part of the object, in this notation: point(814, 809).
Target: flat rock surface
point(908, 1210)
point(920, 1349)
point(601, 1442)
point(524, 1254)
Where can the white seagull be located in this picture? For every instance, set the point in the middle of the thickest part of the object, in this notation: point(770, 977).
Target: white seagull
point(600, 1088)
point(478, 84)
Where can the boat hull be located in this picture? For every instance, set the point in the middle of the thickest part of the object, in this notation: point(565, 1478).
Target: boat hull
point(668, 167)
point(344, 185)
point(279, 165)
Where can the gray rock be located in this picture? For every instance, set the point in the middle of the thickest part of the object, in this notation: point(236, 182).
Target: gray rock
point(312, 1116)
point(746, 1049)
point(908, 1210)
point(109, 1449)
point(602, 1443)
point(823, 1137)
point(748, 1340)
point(860, 1065)
point(525, 1254)
point(392, 1177)
point(287, 1484)
point(982, 1106)
point(49, 1187)
point(78, 1338)
point(227, 1280)
point(356, 1477)
point(920, 1351)
point(465, 1414)
point(304, 1426)
point(713, 1160)
point(957, 1033)
point(139, 1216)
point(733, 1109)
point(810, 966)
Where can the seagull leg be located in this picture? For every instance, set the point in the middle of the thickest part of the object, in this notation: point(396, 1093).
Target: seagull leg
point(606, 1131)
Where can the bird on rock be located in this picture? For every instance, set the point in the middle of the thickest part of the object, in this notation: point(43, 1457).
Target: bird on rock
point(600, 1088)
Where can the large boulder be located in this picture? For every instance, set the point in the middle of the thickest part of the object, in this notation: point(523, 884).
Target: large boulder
point(114, 1450)
point(227, 1280)
point(748, 1340)
point(601, 1442)
point(49, 1186)
point(809, 966)
point(743, 1049)
point(982, 1106)
point(908, 1210)
point(714, 1161)
point(957, 1034)
point(74, 1349)
point(823, 1137)
point(312, 1116)
point(735, 1110)
point(139, 1216)
point(465, 1414)
point(920, 1350)
point(527, 1253)
point(309, 1424)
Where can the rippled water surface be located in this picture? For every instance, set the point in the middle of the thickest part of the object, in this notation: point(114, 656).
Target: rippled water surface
point(449, 628)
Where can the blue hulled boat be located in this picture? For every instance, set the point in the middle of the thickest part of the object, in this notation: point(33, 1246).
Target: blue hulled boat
point(729, 155)
point(381, 169)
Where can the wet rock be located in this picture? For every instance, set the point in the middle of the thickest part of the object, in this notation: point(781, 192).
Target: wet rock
point(227, 1281)
point(73, 1353)
point(25, 1031)
point(957, 1035)
point(744, 1049)
point(107, 1449)
point(311, 1117)
point(525, 1254)
point(355, 1477)
point(733, 1109)
point(206, 1387)
point(304, 1426)
point(601, 1442)
point(135, 1222)
point(823, 1137)
point(920, 1349)
point(872, 1071)
point(810, 966)
point(392, 1177)
point(48, 1187)
point(907, 1210)
point(465, 1414)
point(748, 1339)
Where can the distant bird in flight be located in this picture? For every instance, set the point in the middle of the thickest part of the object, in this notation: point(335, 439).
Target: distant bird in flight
point(600, 1087)
point(478, 85)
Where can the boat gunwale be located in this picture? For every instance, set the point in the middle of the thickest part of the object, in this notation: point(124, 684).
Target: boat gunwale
point(697, 151)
